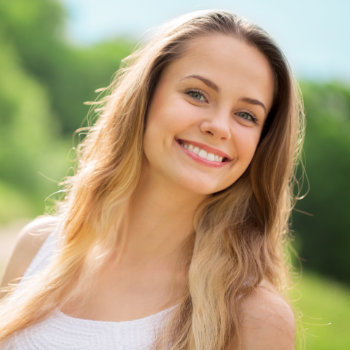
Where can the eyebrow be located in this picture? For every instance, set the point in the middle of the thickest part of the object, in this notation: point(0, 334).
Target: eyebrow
point(204, 80)
point(212, 85)
point(254, 102)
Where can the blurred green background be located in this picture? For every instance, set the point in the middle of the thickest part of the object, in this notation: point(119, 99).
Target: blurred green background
point(44, 80)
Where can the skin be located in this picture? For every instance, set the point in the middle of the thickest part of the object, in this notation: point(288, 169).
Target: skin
point(151, 275)
point(184, 107)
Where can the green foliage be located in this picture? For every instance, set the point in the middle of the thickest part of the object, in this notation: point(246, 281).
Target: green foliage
point(13, 204)
point(75, 76)
point(25, 124)
point(44, 81)
point(70, 74)
point(28, 131)
point(325, 234)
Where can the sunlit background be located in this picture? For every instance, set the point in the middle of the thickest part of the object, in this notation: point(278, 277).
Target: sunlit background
point(312, 33)
point(54, 54)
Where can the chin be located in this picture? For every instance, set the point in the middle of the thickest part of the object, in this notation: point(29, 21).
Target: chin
point(204, 189)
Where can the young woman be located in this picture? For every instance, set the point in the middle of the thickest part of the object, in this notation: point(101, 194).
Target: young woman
point(172, 232)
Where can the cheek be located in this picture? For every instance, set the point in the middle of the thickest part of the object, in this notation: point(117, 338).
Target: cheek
point(173, 119)
point(246, 143)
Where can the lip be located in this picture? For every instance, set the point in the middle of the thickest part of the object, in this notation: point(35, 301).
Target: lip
point(197, 158)
point(207, 148)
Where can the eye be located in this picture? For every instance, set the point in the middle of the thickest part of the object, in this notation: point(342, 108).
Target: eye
point(247, 116)
point(196, 95)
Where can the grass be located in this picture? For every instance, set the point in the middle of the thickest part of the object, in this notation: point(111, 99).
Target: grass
point(324, 308)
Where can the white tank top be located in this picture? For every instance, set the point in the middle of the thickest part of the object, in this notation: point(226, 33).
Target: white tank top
point(62, 332)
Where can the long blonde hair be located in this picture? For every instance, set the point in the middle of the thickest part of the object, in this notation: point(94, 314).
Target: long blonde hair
point(240, 232)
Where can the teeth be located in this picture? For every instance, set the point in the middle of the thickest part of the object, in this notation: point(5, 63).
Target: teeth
point(202, 153)
point(211, 157)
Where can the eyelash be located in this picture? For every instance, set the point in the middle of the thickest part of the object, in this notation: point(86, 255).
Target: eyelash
point(252, 118)
point(196, 91)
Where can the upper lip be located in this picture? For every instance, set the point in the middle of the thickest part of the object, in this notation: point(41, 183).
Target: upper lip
point(207, 148)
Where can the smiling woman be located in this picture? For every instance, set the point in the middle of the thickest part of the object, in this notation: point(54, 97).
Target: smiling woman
point(172, 232)
point(214, 98)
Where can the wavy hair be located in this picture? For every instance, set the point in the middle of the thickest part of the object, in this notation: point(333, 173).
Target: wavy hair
point(240, 232)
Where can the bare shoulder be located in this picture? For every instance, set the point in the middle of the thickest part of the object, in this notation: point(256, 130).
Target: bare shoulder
point(28, 243)
point(267, 321)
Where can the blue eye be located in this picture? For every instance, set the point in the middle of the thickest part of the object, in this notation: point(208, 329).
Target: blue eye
point(247, 116)
point(197, 95)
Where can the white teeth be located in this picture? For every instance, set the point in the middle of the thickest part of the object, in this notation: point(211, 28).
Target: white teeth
point(202, 153)
point(211, 157)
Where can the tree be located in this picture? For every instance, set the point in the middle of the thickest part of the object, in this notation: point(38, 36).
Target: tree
point(325, 234)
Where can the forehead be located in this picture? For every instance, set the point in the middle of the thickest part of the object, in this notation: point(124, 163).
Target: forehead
point(230, 62)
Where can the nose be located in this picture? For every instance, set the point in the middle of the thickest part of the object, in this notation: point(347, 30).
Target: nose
point(217, 127)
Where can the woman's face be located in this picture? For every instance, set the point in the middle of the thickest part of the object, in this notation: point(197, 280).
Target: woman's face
point(207, 113)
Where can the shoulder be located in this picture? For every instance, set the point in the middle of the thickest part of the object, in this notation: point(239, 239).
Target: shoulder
point(28, 243)
point(267, 321)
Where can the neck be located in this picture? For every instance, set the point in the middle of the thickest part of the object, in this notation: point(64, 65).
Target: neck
point(159, 221)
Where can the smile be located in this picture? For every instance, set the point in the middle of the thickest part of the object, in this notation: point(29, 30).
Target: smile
point(204, 156)
point(202, 153)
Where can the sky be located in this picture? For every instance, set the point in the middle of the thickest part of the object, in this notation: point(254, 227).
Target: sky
point(314, 34)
